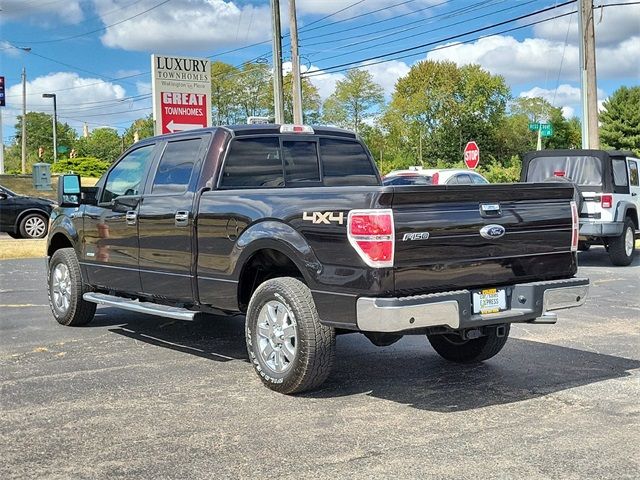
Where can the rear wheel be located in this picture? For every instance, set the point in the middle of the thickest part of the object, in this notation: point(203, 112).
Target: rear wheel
point(584, 246)
point(66, 289)
point(622, 248)
point(33, 225)
point(288, 346)
point(454, 348)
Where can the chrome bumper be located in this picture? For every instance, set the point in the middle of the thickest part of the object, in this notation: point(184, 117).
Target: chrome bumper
point(526, 302)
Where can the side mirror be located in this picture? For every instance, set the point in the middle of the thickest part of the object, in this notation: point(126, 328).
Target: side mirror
point(69, 191)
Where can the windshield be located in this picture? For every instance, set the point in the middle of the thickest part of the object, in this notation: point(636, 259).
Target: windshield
point(583, 170)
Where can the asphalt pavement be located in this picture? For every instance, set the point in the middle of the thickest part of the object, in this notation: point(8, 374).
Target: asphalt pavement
point(137, 396)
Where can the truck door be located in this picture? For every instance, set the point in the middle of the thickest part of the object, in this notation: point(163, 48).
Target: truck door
point(166, 220)
point(110, 241)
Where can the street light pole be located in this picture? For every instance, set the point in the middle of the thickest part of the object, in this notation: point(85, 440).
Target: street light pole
point(24, 120)
point(55, 125)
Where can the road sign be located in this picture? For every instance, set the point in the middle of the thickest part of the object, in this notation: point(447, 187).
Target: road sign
point(471, 155)
point(181, 93)
point(534, 126)
point(546, 130)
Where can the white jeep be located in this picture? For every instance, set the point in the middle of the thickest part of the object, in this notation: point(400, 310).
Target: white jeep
point(607, 192)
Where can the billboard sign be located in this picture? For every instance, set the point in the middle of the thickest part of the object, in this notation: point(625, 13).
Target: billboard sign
point(181, 89)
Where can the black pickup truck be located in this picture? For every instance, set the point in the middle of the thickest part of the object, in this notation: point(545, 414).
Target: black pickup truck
point(292, 226)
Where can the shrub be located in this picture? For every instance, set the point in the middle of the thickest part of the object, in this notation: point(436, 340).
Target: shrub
point(83, 166)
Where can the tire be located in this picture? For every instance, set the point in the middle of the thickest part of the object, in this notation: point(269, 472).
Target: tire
point(290, 349)
point(14, 235)
point(584, 246)
point(453, 348)
point(34, 225)
point(65, 288)
point(622, 248)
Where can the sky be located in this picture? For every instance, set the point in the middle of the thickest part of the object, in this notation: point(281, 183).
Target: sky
point(95, 54)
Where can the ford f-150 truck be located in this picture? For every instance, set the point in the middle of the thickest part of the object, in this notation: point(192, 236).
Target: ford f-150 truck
point(291, 226)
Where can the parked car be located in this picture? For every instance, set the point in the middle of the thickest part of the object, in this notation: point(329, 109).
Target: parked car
point(436, 176)
point(291, 226)
point(22, 216)
point(607, 190)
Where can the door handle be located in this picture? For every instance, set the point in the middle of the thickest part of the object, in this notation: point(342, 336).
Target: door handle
point(182, 218)
point(132, 217)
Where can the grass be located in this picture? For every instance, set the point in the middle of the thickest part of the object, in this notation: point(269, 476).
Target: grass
point(11, 248)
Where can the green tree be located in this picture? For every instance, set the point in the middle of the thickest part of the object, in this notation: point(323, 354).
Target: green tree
point(566, 133)
point(310, 101)
point(254, 82)
point(224, 93)
point(620, 120)
point(354, 99)
point(39, 129)
point(144, 128)
point(102, 143)
point(446, 106)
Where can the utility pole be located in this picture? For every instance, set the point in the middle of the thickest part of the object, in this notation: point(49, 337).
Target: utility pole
point(278, 94)
point(588, 87)
point(55, 125)
point(295, 65)
point(24, 120)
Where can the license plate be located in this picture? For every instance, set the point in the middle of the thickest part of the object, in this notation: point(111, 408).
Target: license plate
point(489, 300)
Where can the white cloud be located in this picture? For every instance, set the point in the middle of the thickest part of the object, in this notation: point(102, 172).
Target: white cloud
point(196, 25)
point(386, 74)
point(534, 58)
point(565, 94)
point(79, 100)
point(568, 112)
point(40, 11)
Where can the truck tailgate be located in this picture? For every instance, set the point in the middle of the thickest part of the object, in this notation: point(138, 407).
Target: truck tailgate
point(439, 245)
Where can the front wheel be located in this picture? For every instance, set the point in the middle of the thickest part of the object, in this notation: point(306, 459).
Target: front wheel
point(33, 225)
point(66, 289)
point(288, 346)
point(621, 248)
point(454, 348)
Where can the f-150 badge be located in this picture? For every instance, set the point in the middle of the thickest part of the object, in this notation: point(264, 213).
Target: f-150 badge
point(324, 217)
point(415, 236)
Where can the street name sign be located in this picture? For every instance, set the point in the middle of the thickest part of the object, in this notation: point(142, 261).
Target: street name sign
point(181, 89)
point(471, 155)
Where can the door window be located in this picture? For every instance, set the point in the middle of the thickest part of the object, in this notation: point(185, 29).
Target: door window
point(478, 180)
point(345, 162)
point(253, 162)
point(633, 173)
point(462, 179)
point(300, 162)
point(176, 166)
point(126, 178)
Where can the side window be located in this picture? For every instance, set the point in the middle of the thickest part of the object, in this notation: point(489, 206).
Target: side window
point(176, 166)
point(463, 179)
point(127, 176)
point(478, 180)
point(620, 173)
point(633, 173)
point(253, 162)
point(300, 162)
point(345, 162)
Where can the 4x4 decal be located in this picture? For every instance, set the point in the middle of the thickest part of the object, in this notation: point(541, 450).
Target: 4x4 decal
point(324, 217)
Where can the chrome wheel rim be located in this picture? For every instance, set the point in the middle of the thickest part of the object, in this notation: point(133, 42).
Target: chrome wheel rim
point(628, 242)
point(35, 227)
point(61, 287)
point(277, 336)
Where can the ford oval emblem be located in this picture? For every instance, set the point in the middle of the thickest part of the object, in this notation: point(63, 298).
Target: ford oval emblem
point(491, 232)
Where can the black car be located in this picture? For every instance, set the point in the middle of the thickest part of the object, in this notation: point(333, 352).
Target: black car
point(24, 217)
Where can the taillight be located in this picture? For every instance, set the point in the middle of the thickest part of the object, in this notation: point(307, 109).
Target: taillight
point(575, 227)
point(606, 201)
point(435, 178)
point(371, 234)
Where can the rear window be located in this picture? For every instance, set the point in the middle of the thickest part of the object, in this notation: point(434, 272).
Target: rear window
point(300, 162)
point(345, 162)
point(253, 162)
point(408, 180)
point(584, 170)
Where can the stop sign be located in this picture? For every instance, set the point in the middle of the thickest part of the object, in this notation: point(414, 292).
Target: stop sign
point(472, 155)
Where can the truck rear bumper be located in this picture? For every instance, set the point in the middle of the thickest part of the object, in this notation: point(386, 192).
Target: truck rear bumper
point(525, 302)
point(601, 229)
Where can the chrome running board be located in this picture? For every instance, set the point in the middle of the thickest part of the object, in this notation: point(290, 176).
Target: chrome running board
point(140, 307)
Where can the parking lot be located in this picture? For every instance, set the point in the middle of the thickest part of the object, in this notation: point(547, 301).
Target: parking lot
point(138, 396)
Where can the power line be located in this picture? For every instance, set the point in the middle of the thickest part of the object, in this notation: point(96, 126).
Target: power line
point(452, 37)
